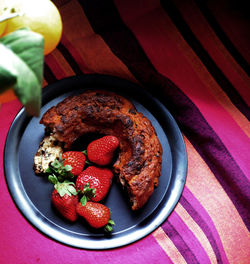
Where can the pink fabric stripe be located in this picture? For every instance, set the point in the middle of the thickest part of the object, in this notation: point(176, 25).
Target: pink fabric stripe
point(8, 111)
point(42, 247)
point(158, 51)
point(188, 237)
point(203, 219)
point(26, 233)
point(135, 253)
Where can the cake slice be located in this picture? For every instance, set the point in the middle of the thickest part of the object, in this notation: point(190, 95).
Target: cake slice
point(138, 166)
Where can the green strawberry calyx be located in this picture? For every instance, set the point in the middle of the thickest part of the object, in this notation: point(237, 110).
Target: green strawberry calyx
point(109, 226)
point(86, 155)
point(65, 187)
point(87, 193)
point(58, 169)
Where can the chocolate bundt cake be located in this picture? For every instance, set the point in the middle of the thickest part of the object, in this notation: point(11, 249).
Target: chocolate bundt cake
point(138, 166)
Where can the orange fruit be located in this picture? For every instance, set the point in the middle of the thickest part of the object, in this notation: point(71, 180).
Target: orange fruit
point(40, 16)
point(2, 27)
point(4, 23)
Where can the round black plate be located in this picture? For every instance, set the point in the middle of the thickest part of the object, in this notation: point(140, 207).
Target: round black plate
point(31, 193)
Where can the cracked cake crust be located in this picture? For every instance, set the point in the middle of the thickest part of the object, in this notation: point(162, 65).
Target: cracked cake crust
point(138, 166)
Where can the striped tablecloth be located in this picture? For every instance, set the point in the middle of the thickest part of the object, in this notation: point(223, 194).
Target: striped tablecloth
point(194, 55)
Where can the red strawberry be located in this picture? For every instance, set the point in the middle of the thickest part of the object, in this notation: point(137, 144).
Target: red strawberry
point(76, 160)
point(101, 151)
point(65, 198)
point(96, 214)
point(98, 178)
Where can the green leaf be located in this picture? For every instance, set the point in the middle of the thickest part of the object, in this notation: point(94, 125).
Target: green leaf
point(68, 167)
point(69, 182)
point(83, 200)
point(53, 179)
point(111, 222)
point(48, 170)
point(72, 190)
point(88, 192)
point(62, 192)
point(60, 178)
point(21, 65)
point(109, 226)
point(56, 164)
point(62, 172)
point(87, 160)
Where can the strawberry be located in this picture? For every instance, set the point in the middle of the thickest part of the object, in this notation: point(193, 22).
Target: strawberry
point(101, 151)
point(65, 198)
point(96, 214)
point(76, 160)
point(98, 178)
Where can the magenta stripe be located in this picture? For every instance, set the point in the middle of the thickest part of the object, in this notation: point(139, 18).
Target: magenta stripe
point(189, 238)
point(178, 241)
point(209, 145)
point(135, 253)
point(8, 111)
point(203, 225)
point(201, 217)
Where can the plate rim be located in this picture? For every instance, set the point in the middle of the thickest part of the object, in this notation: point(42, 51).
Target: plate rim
point(159, 215)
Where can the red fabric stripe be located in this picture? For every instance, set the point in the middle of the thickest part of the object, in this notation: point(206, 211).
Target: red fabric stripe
point(233, 18)
point(164, 48)
point(215, 48)
point(75, 54)
point(192, 123)
point(55, 67)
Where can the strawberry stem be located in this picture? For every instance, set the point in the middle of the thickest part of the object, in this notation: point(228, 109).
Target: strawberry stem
point(87, 160)
point(109, 226)
point(87, 193)
point(65, 187)
point(53, 179)
point(83, 200)
point(58, 169)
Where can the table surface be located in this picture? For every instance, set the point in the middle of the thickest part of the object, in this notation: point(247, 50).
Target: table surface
point(194, 56)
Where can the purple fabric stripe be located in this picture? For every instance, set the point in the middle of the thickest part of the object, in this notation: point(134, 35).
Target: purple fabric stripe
point(201, 217)
point(125, 46)
point(189, 238)
point(178, 241)
point(48, 74)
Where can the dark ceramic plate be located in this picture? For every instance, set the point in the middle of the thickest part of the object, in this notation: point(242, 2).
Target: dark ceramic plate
point(31, 193)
